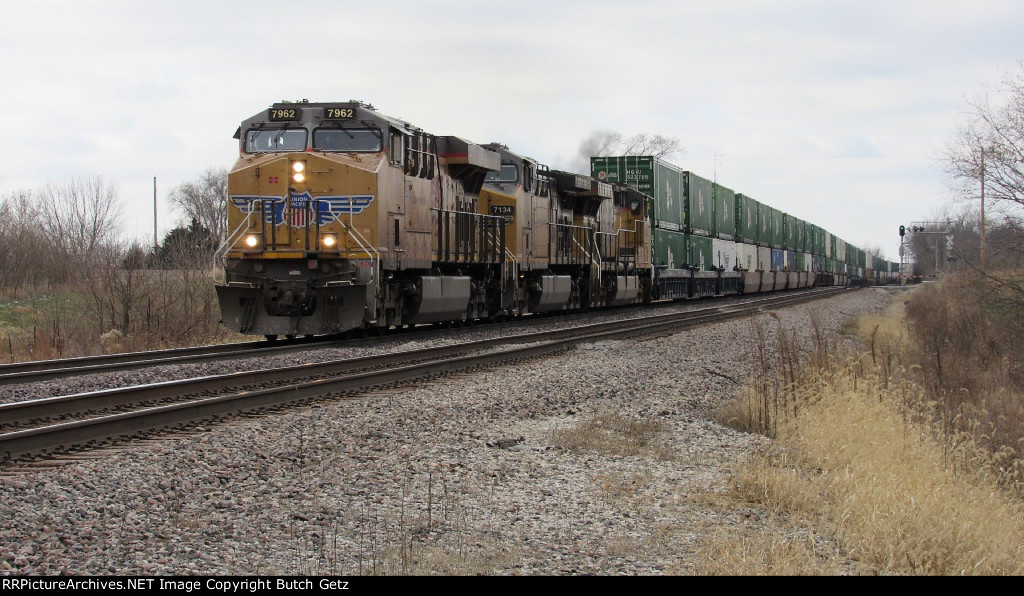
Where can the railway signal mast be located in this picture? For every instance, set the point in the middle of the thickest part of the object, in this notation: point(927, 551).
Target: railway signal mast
point(903, 232)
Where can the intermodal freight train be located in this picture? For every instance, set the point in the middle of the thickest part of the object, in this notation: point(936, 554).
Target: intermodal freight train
point(341, 218)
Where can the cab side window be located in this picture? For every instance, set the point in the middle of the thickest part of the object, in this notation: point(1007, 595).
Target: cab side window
point(397, 153)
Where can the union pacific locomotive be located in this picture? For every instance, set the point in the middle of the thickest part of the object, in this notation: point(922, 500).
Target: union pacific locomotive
point(342, 218)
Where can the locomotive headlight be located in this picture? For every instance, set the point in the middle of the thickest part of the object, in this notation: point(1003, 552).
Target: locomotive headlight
point(329, 241)
point(298, 171)
point(252, 240)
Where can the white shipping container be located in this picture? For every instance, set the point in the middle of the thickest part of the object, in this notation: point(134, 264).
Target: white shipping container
point(764, 258)
point(746, 256)
point(724, 252)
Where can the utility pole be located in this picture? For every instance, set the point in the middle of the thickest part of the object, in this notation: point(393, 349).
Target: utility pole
point(982, 209)
point(156, 240)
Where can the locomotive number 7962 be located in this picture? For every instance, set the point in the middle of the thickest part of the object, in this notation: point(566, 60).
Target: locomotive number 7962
point(337, 113)
point(283, 114)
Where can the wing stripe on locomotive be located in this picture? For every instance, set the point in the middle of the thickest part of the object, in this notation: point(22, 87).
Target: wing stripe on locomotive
point(331, 207)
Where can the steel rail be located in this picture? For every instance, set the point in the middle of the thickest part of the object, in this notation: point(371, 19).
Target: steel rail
point(53, 407)
point(41, 370)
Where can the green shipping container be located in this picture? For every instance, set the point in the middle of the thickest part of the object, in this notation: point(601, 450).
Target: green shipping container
point(747, 222)
point(700, 205)
point(818, 240)
point(658, 179)
point(725, 212)
point(683, 201)
point(670, 248)
point(777, 238)
point(791, 226)
point(850, 258)
point(764, 225)
point(702, 253)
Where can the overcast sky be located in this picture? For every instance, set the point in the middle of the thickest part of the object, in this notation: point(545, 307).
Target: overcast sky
point(834, 111)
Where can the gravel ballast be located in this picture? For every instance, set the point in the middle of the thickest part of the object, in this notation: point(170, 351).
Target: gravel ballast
point(485, 472)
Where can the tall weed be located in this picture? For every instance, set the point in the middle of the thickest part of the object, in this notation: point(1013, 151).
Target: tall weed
point(892, 445)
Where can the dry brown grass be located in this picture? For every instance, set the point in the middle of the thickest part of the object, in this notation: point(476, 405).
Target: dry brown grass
point(863, 447)
point(614, 433)
point(887, 490)
point(119, 312)
point(763, 553)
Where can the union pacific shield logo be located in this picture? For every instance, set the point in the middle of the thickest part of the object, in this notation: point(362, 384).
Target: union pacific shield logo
point(302, 207)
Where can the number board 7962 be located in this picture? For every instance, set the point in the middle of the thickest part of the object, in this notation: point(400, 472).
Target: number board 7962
point(283, 114)
point(339, 112)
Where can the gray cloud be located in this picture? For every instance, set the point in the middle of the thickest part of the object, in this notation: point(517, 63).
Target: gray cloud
point(833, 111)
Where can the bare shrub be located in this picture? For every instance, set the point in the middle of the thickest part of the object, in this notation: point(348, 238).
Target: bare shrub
point(142, 308)
point(24, 248)
point(901, 472)
point(968, 338)
point(778, 371)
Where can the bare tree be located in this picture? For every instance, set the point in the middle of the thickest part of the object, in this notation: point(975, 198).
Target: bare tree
point(603, 143)
point(81, 215)
point(23, 246)
point(995, 134)
point(656, 145)
point(985, 158)
point(204, 200)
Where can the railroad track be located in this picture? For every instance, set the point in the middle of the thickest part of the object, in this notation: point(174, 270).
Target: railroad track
point(43, 370)
point(57, 424)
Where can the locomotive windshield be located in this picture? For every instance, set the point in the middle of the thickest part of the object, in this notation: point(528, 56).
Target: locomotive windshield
point(274, 140)
point(508, 173)
point(352, 140)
